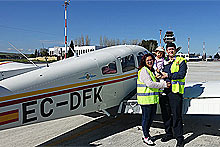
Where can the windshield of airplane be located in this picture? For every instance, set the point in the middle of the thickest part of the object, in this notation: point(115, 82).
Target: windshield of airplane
point(139, 56)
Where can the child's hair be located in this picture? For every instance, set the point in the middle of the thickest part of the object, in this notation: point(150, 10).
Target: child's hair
point(163, 54)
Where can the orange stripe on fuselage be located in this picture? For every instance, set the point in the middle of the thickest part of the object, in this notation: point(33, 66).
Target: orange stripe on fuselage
point(9, 116)
point(21, 95)
point(4, 63)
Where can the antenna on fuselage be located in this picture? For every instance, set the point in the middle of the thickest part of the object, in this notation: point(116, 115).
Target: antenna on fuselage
point(22, 54)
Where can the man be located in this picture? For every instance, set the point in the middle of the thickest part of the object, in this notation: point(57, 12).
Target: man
point(175, 69)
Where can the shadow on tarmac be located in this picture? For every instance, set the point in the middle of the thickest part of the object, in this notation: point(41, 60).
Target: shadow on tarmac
point(103, 127)
point(194, 126)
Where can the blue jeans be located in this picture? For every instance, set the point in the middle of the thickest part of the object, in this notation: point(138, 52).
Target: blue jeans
point(148, 113)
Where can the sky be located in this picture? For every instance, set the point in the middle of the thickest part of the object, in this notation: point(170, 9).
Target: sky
point(31, 25)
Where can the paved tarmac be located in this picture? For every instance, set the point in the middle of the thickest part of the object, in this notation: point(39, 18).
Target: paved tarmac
point(96, 129)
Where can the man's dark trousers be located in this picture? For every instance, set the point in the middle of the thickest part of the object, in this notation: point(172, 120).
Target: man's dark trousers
point(171, 109)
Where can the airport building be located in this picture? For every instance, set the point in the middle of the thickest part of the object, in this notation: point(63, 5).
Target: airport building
point(189, 57)
point(57, 51)
point(79, 50)
point(85, 49)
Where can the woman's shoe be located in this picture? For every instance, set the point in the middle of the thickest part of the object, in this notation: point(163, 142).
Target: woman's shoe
point(148, 141)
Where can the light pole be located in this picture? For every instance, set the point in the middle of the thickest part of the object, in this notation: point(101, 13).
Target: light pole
point(66, 3)
point(160, 37)
point(204, 51)
point(188, 45)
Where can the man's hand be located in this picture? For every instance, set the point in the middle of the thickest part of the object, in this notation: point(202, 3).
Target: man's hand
point(158, 76)
point(165, 75)
point(168, 84)
point(157, 70)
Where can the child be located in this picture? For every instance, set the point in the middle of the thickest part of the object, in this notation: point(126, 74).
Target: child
point(159, 60)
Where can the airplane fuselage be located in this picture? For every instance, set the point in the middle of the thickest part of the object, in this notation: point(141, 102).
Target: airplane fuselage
point(77, 85)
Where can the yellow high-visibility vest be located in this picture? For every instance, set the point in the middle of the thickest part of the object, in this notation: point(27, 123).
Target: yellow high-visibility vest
point(178, 84)
point(147, 95)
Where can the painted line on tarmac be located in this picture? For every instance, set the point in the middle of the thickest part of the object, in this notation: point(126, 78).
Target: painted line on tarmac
point(107, 122)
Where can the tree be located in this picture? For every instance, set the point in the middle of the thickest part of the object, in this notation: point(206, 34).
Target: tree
point(79, 41)
point(198, 54)
point(134, 42)
point(101, 41)
point(217, 56)
point(44, 52)
point(105, 41)
point(82, 40)
point(32, 56)
point(75, 42)
point(38, 53)
point(151, 45)
point(71, 49)
point(87, 40)
point(124, 42)
point(108, 43)
point(117, 42)
point(112, 42)
point(35, 53)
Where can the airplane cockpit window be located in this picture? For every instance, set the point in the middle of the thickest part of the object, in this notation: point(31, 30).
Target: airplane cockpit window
point(139, 56)
point(111, 68)
point(128, 63)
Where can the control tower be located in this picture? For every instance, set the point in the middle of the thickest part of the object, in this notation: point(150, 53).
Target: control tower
point(169, 37)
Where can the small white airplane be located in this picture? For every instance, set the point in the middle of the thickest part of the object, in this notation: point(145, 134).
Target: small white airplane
point(91, 82)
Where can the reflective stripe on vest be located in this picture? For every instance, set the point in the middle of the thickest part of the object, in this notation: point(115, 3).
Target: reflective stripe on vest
point(147, 95)
point(181, 83)
point(178, 84)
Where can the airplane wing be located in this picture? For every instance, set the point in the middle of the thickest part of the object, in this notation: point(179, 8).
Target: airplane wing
point(9, 69)
point(202, 98)
point(199, 98)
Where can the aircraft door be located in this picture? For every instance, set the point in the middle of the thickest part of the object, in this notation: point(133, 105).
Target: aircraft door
point(109, 71)
point(111, 89)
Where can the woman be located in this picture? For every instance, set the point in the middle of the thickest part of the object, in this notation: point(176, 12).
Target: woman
point(148, 94)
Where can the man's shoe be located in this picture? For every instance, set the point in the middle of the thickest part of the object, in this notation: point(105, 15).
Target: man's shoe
point(153, 138)
point(180, 144)
point(166, 138)
point(148, 141)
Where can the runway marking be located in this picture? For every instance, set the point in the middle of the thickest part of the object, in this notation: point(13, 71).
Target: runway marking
point(107, 122)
